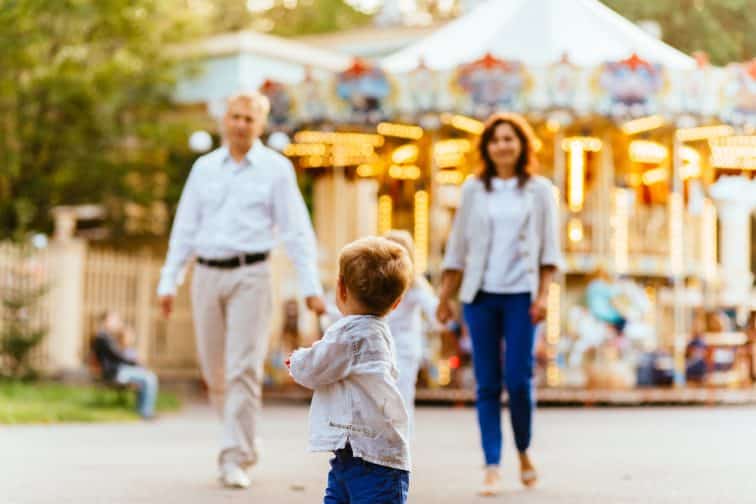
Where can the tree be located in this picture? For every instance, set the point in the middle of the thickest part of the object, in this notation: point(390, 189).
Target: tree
point(285, 17)
point(82, 86)
point(725, 29)
point(316, 16)
point(228, 15)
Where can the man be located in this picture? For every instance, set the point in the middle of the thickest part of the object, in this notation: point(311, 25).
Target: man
point(233, 199)
point(118, 366)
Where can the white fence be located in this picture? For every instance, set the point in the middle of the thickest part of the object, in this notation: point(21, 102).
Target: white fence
point(84, 282)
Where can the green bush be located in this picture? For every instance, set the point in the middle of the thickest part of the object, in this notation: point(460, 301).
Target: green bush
point(20, 327)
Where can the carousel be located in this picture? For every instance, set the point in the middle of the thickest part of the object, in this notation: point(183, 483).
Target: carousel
point(652, 154)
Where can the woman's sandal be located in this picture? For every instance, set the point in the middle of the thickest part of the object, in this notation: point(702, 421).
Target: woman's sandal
point(529, 477)
point(491, 483)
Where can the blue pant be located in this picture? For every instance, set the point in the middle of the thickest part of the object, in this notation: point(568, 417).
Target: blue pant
point(494, 319)
point(147, 387)
point(352, 480)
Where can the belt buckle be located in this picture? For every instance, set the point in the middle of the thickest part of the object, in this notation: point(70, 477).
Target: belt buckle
point(243, 259)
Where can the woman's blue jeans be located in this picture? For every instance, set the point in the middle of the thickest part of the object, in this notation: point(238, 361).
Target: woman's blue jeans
point(503, 341)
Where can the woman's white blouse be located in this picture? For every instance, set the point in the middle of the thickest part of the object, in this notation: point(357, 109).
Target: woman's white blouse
point(507, 270)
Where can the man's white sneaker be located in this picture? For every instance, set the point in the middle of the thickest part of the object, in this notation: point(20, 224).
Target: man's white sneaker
point(233, 476)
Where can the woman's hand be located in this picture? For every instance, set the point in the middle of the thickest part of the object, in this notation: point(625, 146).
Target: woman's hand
point(450, 282)
point(538, 309)
point(445, 310)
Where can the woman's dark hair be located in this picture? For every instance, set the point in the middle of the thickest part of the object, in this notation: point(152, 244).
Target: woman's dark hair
point(525, 163)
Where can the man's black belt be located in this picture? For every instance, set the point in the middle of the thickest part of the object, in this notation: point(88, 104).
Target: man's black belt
point(233, 262)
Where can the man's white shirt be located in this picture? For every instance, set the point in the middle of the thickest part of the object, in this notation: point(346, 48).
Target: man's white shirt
point(228, 208)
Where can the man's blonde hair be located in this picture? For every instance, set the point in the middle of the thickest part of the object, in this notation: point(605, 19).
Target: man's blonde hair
point(259, 102)
point(376, 271)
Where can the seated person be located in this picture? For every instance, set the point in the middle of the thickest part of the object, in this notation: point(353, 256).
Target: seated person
point(696, 366)
point(120, 368)
point(128, 341)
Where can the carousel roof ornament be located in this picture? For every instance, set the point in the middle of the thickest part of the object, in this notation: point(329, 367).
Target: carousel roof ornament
point(358, 68)
point(750, 67)
point(564, 60)
point(363, 86)
point(489, 62)
point(702, 59)
point(634, 62)
point(270, 86)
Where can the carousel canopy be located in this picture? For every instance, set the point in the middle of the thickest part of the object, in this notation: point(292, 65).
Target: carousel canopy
point(537, 32)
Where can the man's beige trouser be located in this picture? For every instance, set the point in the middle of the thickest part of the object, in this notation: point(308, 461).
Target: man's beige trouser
point(232, 310)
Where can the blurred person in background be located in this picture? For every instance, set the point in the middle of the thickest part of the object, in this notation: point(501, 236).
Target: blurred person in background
point(406, 325)
point(127, 341)
point(120, 366)
point(501, 255)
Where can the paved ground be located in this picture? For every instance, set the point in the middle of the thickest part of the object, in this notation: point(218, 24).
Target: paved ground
point(681, 455)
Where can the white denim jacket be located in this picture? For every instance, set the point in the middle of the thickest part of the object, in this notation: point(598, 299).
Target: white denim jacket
point(469, 242)
point(353, 373)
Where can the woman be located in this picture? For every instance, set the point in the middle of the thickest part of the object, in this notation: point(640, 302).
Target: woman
point(503, 251)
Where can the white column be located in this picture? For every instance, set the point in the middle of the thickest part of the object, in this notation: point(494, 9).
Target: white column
point(145, 306)
point(560, 174)
point(65, 340)
point(602, 222)
point(366, 207)
point(735, 198)
point(676, 213)
point(343, 211)
point(342, 196)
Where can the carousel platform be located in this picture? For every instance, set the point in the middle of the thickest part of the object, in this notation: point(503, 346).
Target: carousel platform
point(598, 397)
point(683, 396)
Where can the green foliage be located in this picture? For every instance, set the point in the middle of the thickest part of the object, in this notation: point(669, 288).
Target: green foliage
point(53, 403)
point(81, 91)
point(20, 331)
point(316, 16)
point(309, 17)
point(725, 29)
point(228, 15)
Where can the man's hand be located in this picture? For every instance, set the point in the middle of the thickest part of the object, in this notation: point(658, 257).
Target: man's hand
point(166, 305)
point(316, 304)
point(538, 309)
